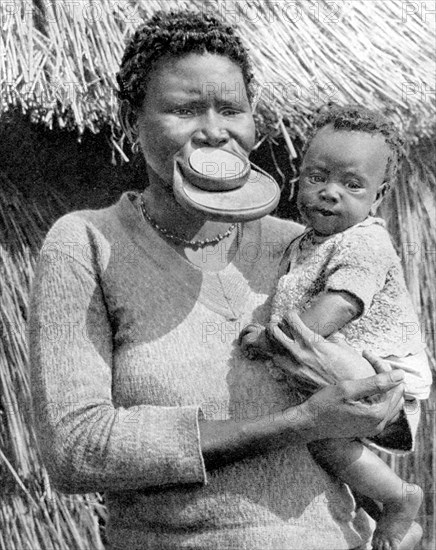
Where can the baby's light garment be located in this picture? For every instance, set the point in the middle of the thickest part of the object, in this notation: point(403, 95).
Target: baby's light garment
point(362, 262)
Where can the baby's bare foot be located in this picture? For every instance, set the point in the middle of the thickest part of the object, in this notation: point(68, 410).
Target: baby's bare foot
point(396, 522)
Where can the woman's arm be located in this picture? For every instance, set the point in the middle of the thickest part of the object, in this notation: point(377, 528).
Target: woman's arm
point(350, 408)
point(88, 443)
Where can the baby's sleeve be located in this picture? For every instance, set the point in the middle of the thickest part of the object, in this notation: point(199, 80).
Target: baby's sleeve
point(358, 264)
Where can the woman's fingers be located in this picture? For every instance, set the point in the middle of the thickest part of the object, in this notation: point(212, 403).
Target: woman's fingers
point(389, 408)
point(292, 334)
point(377, 363)
point(397, 403)
point(338, 411)
point(298, 331)
point(276, 333)
point(390, 392)
point(378, 384)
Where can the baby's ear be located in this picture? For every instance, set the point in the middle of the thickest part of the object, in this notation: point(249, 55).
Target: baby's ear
point(382, 190)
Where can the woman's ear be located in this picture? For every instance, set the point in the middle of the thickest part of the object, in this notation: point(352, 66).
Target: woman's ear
point(382, 190)
point(129, 120)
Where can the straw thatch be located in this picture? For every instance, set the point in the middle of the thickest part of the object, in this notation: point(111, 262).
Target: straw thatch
point(32, 515)
point(61, 57)
point(57, 64)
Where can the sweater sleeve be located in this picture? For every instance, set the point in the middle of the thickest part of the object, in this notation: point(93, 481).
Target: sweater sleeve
point(87, 443)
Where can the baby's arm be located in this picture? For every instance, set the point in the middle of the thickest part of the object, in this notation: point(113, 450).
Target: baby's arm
point(328, 313)
point(331, 311)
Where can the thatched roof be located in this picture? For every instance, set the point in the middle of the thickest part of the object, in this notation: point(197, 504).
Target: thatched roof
point(60, 58)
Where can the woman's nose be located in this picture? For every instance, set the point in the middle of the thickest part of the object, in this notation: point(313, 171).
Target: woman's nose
point(211, 131)
point(331, 192)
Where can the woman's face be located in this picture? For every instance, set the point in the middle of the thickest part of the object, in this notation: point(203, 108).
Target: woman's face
point(193, 101)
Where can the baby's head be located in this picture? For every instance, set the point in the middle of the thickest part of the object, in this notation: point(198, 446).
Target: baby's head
point(350, 160)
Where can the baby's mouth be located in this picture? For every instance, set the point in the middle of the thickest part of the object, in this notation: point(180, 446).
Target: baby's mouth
point(324, 212)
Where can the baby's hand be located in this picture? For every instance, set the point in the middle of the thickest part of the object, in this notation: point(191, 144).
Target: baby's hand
point(255, 343)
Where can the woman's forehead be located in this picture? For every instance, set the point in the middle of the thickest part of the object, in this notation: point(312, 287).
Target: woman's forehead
point(194, 62)
point(201, 75)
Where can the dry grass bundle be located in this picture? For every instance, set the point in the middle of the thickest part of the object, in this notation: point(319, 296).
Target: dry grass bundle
point(61, 57)
point(31, 514)
point(411, 216)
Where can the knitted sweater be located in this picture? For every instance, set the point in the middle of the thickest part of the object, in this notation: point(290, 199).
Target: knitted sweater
point(129, 344)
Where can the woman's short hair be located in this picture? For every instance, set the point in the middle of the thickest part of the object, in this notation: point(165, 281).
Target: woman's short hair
point(361, 119)
point(174, 34)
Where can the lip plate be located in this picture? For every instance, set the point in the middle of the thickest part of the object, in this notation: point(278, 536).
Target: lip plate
point(216, 156)
point(257, 198)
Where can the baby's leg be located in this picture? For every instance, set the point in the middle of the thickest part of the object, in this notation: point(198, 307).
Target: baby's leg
point(366, 473)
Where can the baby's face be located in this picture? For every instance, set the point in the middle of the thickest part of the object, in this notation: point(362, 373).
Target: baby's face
point(341, 178)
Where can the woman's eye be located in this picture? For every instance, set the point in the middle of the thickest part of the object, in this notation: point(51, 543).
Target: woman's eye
point(184, 112)
point(229, 112)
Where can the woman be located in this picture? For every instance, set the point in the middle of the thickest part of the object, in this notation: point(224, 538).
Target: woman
point(141, 391)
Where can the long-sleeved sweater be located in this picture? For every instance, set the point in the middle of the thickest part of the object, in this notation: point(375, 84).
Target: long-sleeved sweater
point(128, 342)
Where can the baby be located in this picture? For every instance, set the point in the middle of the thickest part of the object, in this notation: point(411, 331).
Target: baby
point(343, 275)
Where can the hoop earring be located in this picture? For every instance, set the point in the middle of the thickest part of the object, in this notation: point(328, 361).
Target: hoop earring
point(135, 147)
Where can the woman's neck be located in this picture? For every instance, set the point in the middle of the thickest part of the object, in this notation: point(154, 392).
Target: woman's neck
point(161, 205)
point(163, 208)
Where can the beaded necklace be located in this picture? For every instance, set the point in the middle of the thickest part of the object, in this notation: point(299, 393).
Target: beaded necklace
point(180, 240)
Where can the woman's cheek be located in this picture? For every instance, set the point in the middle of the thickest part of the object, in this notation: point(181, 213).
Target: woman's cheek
point(249, 134)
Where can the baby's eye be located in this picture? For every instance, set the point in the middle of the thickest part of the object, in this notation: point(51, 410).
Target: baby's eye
point(353, 184)
point(316, 178)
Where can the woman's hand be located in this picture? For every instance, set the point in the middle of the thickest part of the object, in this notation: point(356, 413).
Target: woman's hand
point(333, 412)
point(315, 361)
point(354, 403)
point(355, 408)
point(348, 408)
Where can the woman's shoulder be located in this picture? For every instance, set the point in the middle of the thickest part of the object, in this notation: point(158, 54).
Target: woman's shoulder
point(83, 234)
point(80, 224)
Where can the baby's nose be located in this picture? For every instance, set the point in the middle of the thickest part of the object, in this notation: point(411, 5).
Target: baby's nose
point(331, 191)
